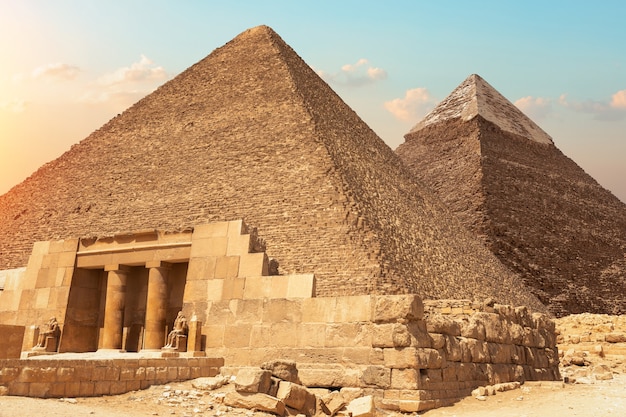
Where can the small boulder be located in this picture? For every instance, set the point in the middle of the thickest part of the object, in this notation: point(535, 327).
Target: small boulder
point(362, 407)
point(255, 401)
point(253, 380)
point(209, 383)
point(283, 369)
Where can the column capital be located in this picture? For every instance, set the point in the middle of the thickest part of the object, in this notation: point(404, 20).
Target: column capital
point(158, 264)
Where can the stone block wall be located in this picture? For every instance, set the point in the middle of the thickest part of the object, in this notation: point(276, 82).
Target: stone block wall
point(409, 360)
point(11, 341)
point(228, 261)
point(40, 291)
point(56, 378)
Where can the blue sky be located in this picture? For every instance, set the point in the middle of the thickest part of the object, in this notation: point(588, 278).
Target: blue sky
point(69, 66)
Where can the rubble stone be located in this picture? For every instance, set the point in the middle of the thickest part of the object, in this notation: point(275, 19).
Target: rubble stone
point(253, 380)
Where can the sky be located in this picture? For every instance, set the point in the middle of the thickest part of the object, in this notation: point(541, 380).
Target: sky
point(68, 66)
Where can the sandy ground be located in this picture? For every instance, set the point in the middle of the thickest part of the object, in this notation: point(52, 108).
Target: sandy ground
point(600, 399)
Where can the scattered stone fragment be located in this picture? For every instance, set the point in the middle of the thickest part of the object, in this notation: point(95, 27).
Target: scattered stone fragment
point(362, 407)
point(602, 372)
point(255, 401)
point(297, 397)
point(253, 380)
point(209, 383)
point(283, 369)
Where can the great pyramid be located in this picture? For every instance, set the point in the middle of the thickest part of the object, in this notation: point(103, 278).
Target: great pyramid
point(538, 212)
point(252, 132)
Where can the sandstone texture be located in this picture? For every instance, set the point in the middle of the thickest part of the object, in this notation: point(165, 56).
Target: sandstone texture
point(251, 132)
point(534, 208)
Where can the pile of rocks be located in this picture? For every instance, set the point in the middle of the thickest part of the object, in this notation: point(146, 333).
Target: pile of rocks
point(275, 388)
point(591, 346)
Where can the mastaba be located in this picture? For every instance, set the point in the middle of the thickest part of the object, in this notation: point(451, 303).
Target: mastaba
point(538, 212)
point(252, 132)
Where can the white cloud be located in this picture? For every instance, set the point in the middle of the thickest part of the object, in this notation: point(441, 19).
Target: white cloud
point(52, 72)
point(141, 71)
point(612, 110)
point(535, 107)
point(618, 100)
point(126, 85)
point(13, 106)
point(358, 74)
point(56, 71)
point(416, 103)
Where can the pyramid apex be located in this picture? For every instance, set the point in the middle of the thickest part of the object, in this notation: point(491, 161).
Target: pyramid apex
point(474, 97)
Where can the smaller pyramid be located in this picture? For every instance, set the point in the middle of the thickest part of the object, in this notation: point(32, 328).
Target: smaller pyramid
point(535, 208)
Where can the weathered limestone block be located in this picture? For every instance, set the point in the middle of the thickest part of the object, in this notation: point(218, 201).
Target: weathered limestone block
point(453, 349)
point(335, 403)
point(362, 407)
point(348, 334)
point(405, 379)
point(496, 329)
point(430, 358)
point(419, 334)
point(403, 358)
point(615, 338)
point(255, 401)
point(524, 316)
point(392, 308)
point(472, 328)
point(382, 335)
point(296, 397)
point(602, 372)
point(379, 376)
point(209, 383)
point(253, 380)
point(282, 369)
point(478, 350)
point(400, 336)
point(499, 352)
point(437, 323)
point(438, 341)
point(353, 309)
point(11, 341)
point(328, 375)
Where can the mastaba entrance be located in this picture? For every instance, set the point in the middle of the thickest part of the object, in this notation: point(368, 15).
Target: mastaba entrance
point(123, 292)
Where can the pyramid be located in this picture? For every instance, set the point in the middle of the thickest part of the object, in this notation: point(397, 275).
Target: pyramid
point(538, 212)
point(252, 132)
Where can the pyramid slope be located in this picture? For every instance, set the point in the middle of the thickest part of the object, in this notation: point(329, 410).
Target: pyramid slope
point(475, 96)
point(538, 212)
point(252, 132)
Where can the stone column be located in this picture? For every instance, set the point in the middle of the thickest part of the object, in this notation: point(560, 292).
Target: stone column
point(114, 307)
point(156, 305)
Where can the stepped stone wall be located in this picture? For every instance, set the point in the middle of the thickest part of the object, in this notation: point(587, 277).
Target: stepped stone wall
point(58, 378)
point(406, 359)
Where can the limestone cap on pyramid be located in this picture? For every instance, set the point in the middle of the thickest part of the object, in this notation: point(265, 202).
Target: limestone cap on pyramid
point(475, 96)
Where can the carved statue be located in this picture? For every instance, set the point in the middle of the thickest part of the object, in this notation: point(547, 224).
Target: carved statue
point(180, 329)
point(50, 329)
